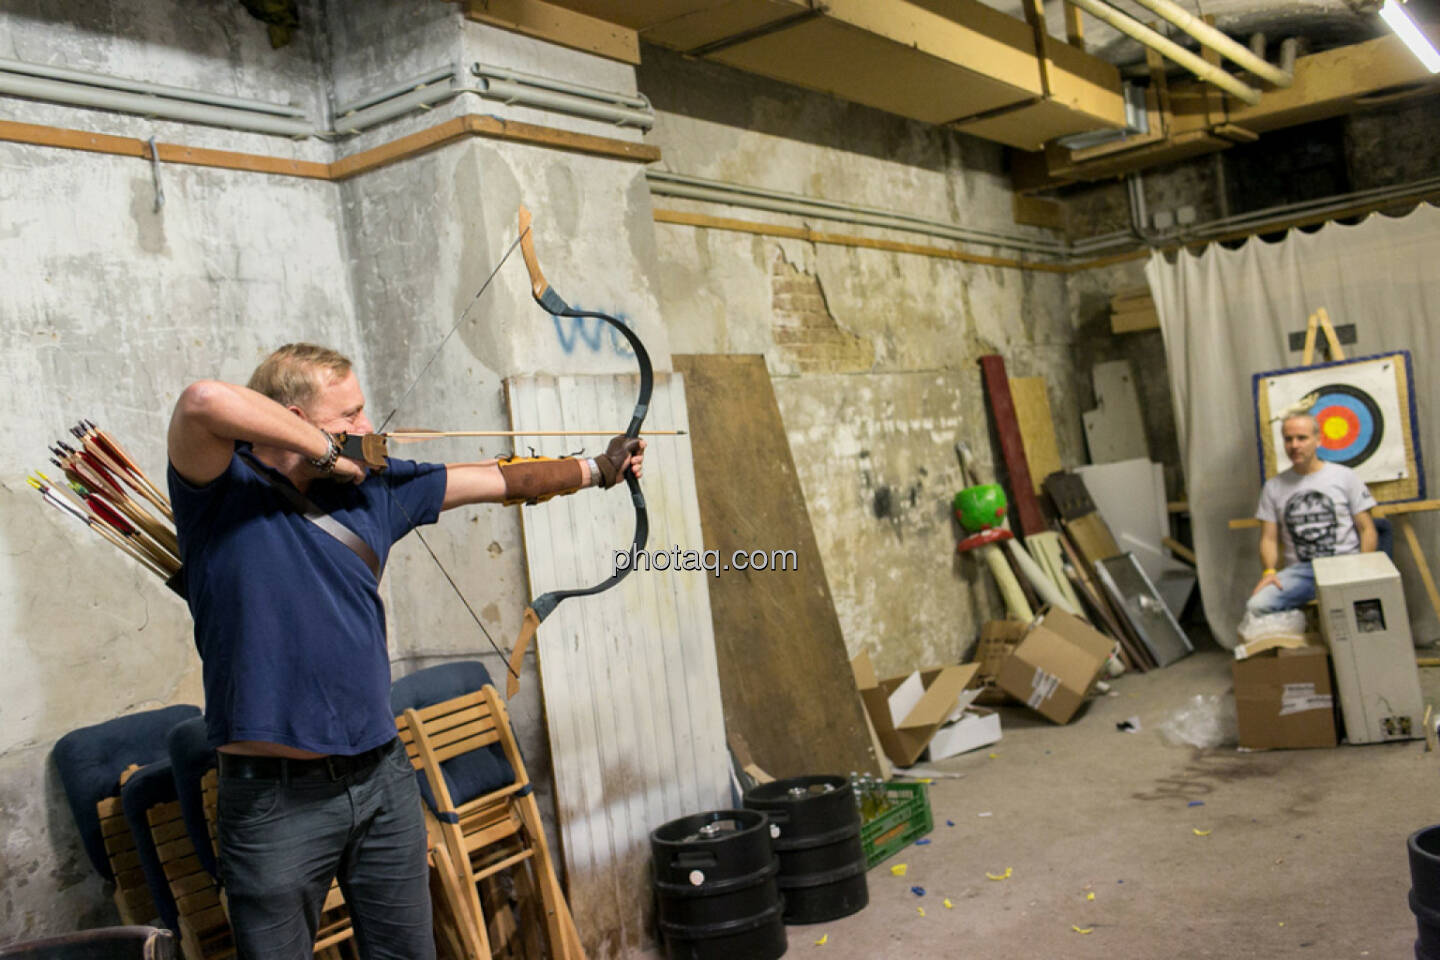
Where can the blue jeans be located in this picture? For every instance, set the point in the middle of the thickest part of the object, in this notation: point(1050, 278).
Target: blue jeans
point(282, 842)
point(1297, 588)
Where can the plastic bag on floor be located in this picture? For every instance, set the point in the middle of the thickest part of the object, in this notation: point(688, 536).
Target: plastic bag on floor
point(1205, 721)
point(1265, 626)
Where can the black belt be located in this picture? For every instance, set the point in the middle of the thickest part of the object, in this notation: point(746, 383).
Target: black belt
point(241, 766)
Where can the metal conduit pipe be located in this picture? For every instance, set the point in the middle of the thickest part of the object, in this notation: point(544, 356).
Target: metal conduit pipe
point(1324, 204)
point(1208, 36)
point(1103, 241)
point(153, 89)
point(438, 86)
point(388, 93)
point(694, 188)
point(1258, 219)
point(351, 118)
point(1289, 50)
point(635, 102)
point(1168, 48)
point(507, 91)
point(75, 94)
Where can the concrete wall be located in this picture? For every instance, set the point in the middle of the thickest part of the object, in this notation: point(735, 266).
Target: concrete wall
point(107, 309)
point(110, 306)
point(873, 354)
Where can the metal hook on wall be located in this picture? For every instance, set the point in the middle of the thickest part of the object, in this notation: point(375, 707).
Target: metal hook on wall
point(155, 172)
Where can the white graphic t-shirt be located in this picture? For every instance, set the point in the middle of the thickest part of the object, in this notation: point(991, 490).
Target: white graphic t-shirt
point(1315, 511)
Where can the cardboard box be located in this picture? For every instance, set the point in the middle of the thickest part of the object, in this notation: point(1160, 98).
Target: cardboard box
point(1283, 696)
point(1055, 665)
point(998, 639)
point(974, 728)
point(905, 732)
point(1367, 628)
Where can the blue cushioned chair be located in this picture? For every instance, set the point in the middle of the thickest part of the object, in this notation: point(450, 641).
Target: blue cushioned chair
point(149, 787)
point(457, 731)
point(1385, 536)
point(191, 757)
point(91, 761)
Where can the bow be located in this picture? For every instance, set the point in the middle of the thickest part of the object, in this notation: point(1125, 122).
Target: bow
point(372, 449)
point(545, 604)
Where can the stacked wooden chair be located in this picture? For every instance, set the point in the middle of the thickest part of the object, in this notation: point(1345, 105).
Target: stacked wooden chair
point(194, 871)
point(143, 791)
point(487, 837)
point(92, 762)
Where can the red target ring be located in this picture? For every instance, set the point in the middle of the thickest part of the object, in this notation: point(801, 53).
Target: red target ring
point(1338, 427)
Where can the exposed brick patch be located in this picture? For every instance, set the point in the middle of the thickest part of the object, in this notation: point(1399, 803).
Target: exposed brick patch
point(804, 330)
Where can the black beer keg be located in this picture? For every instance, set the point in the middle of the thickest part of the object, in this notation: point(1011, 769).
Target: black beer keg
point(815, 829)
point(715, 887)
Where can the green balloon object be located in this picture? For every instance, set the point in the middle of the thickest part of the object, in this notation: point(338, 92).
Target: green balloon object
point(981, 508)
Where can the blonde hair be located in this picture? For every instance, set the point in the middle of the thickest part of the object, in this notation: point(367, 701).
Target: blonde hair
point(291, 375)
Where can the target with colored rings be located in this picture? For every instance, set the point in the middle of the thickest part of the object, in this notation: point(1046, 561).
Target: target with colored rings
point(1351, 426)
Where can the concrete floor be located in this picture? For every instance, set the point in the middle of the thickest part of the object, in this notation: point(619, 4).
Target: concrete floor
point(1305, 855)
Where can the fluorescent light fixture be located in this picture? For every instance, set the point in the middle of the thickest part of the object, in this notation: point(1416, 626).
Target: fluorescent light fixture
point(1420, 45)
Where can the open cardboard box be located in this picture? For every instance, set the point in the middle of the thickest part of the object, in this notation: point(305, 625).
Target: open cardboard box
point(969, 728)
point(907, 710)
point(1055, 665)
point(998, 639)
point(1283, 695)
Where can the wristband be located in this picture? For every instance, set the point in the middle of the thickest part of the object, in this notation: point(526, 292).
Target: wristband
point(1268, 572)
point(326, 464)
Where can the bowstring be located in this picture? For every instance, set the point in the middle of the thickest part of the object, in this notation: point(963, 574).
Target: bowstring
point(446, 339)
point(414, 527)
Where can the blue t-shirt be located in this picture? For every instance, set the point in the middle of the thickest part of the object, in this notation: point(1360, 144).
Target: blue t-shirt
point(288, 620)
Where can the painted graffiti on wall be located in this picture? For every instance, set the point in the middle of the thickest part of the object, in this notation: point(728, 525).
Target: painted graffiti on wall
point(592, 333)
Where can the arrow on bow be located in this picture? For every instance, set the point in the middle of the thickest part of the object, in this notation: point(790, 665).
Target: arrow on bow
point(373, 448)
point(545, 604)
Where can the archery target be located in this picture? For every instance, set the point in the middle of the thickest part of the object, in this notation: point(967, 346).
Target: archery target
point(1357, 407)
point(1351, 425)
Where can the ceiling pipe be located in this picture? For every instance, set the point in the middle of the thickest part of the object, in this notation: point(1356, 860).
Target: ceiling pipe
point(1168, 48)
point(1208, 36)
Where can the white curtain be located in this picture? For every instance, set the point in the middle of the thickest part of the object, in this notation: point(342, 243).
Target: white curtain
point(1227, 314)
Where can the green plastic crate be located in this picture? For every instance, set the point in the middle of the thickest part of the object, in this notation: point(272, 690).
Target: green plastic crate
point(907, 820)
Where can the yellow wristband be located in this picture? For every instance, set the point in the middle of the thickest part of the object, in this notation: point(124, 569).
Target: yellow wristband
point(1267, 572)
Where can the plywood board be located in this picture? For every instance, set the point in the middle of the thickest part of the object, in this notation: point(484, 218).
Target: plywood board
point(1130, 496)
point(1024, 505)
point(1134, 321)
point(1114, 429)
point(629, 676)
point(784, 674)
point(1037, 428)
point(919, 70)
point(1092, 538)
point(557, 24)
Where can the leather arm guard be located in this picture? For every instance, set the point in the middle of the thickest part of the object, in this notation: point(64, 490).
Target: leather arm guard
point(536, 479)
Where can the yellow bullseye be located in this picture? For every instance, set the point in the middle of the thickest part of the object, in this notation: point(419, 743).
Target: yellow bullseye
point(1335, 427)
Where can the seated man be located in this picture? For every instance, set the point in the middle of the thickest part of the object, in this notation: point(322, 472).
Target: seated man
point(1317, 509)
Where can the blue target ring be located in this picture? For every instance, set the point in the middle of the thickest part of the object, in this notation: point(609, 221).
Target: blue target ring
point(1351, 426)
